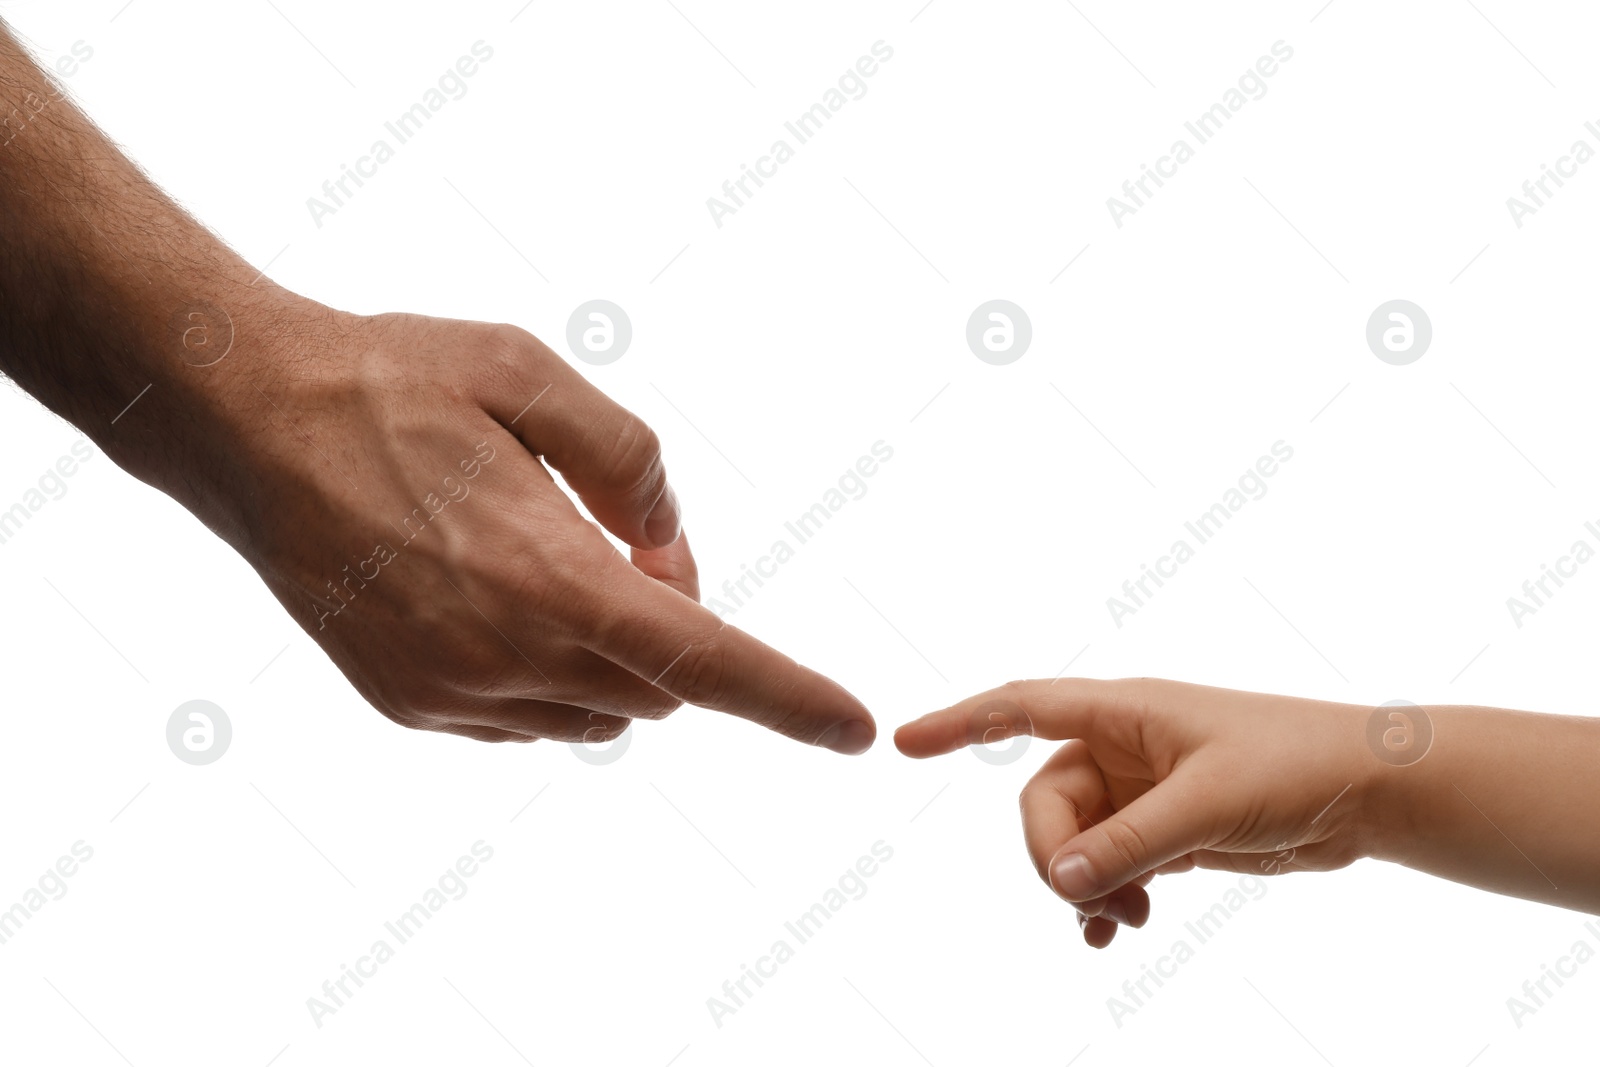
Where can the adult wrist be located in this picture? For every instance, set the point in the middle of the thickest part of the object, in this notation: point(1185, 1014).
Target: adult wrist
point(214, 364)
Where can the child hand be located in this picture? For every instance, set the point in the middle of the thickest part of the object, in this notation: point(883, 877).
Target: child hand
point(1159, 777)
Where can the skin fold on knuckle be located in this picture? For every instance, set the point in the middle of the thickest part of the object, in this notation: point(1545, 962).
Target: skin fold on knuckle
point(1027, 695)
point(414, 715)
point(1128, 847)
point(592, 600)
point(657, 707)
point(508, 368)
point(1138, 698)
point(473, 664)
point(574, 584)
point(407, 720)
point(632, 461)
point(698, 675)
point(509, 356)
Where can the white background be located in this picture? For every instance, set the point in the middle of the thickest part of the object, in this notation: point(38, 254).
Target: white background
point(1226, 315)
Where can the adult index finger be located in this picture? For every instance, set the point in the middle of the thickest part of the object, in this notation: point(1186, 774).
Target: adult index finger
point(680, 647)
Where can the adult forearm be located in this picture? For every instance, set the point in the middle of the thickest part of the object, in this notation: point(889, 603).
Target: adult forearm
point(114, 302)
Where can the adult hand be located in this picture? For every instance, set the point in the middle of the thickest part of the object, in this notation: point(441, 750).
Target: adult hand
point(388, 476)
point(389, 472)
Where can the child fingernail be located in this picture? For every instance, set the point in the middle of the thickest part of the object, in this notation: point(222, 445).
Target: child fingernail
point(1072, 876)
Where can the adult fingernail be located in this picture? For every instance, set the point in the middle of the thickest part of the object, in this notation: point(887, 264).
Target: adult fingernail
point(1072, 876)
point(665, 521)
point(1116, 912)
point(849, 738)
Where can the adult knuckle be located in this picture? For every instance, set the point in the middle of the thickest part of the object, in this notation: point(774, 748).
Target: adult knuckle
point(401, 698)
point(449, 658)
point(634, 454)
point(410, 715)
point(657, 706)
point(579, 591)
point(543, 580)
point(488, 735)
point(407, 719)
point(471, 666)
point(506, 355)
point(700, 673)
point(508, 345)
